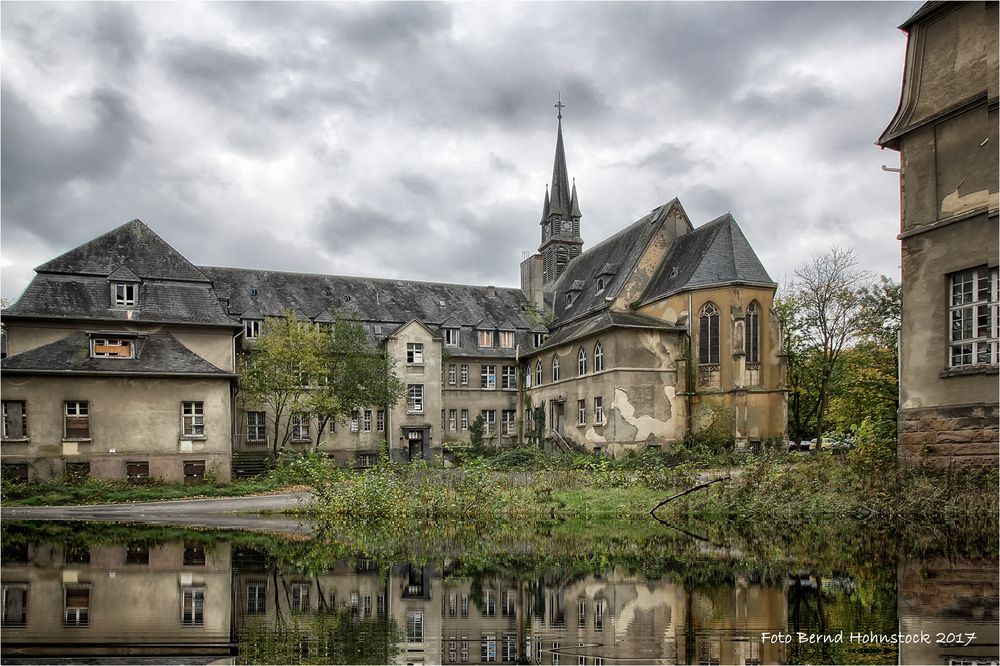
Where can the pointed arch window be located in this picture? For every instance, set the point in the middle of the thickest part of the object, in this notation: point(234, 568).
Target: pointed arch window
point(598, 357)
point(555, 368)
point(708, 347)
point(538, 373)
point(752, 345)
point(581, 362)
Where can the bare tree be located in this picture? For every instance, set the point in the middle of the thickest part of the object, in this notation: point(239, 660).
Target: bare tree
point(828, 294)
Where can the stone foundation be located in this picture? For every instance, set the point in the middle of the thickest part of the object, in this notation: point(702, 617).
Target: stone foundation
point(951, 434)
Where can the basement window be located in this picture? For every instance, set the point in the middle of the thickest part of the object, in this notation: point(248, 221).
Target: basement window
point(137, 471)
point(194, 472)
point(77, 471)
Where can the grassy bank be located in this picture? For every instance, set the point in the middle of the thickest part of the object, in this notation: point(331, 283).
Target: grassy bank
point(524, 484)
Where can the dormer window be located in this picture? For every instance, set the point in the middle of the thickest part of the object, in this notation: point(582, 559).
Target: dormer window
point(252, 328)
point(451, 337)
point(600, 285)
point(537, 339)
point(111, 348)
point(485, 339)
point(506, 339)
point(124, 293)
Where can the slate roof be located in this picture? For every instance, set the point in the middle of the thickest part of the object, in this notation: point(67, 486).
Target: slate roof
point(618, 253)
point(133, 243)
point(72, 297)
point(713, 254)
point(155, 354)
point(369, 299)
point(601, 322)
point(925, 9)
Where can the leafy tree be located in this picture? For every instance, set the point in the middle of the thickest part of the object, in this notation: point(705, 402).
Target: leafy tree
point(827, 292)
point(476, 431)
point(297, 367)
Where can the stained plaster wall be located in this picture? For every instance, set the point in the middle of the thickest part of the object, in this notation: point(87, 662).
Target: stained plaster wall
point(756, 411)
point(139, 418)
point(639, 386)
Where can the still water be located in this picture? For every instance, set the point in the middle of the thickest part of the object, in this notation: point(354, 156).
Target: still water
point(565, 593)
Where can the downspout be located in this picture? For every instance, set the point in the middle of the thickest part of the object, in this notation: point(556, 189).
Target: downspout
point(234, 387)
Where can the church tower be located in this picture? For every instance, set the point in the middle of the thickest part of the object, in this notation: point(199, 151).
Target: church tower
point(560, 225)
point(561, 215)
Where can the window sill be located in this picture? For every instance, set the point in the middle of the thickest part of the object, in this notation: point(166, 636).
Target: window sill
point(301, 441)
point(193, 438)
point(16, 440)
point(81, 440)
point(414, 413)
point(966, 370)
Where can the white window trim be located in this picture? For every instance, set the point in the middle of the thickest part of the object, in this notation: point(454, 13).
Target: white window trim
point(195, 411)
point(975, 309)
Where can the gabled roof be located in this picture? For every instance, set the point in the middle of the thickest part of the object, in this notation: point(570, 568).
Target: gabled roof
point(621, 251)
point(486, 325)
point(715, 253)
point(539, 327)
point(155, 354)
point(148, 256)
point(451, 322)
point(252, 312)
point(123, 274)
point(325, 317)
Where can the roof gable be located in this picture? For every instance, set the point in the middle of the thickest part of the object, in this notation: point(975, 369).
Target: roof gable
point(713, 254)
point(123, 274)
point(147, 255)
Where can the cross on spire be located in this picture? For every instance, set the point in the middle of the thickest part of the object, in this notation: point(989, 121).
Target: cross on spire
point(559, 106)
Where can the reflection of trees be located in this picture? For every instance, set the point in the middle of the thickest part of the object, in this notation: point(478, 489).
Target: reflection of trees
point(325, 636)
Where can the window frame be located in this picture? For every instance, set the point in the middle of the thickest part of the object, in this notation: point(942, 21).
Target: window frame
point(81, 412)
point(452, 336)
point(599, 410)
point(463, 374)
point(508, 421)
point(380, 420)
point(464, 420)
point(508, 377)
point(252, 328)
point(193, 422)
point(124, 294)
point(539, 373)
point(555, 368)
point(415, 399)
point(981, 309)
point(414, 353)
point(485, 339)
point(581, 412)
point(109, 343)
point(489, 422)
point(488, 377)
point(452, 374)
point(598, 357)
point(366, 420)
point(581, 362)
point(256, 432)
point(506, 339)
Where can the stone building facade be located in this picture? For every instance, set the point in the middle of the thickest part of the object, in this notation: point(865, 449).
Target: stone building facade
point(945, 130)
point(123, 356)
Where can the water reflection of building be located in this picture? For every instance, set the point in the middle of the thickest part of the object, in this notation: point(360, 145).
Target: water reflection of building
point(184, 599)
point(953, 597)
point(122, 599)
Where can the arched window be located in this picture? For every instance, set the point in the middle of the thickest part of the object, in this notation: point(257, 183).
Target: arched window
point(538, 373)
point(753, 333)
point(708, 334)
point(581, 362)
point(598, 357)
point(555, 368)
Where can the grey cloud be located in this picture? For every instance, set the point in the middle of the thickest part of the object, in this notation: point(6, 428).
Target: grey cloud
point(422, 186)
point(220, 74)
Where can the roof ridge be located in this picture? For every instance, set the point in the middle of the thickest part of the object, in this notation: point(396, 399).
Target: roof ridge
point(357, 277)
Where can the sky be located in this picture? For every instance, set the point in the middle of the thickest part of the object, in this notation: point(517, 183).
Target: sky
point(415, 140)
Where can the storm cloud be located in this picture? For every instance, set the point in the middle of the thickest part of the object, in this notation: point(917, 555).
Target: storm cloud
point(414, 140)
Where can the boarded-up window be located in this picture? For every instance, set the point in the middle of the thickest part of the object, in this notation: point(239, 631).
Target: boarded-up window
point(194, 471)
point(15, 472)
point(112, 348)
point(77, 605)
point(15, 419)
point(77, 420)
point(15, 605)
point(137, 471)
point(77, 471)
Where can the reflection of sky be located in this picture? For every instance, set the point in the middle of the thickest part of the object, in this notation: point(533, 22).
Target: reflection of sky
point(415, 140)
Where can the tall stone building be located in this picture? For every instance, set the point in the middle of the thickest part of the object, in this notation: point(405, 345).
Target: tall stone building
point(945, 130)
point(123, 355)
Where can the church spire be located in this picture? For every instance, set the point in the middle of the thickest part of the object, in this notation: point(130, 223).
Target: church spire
point(560, 197)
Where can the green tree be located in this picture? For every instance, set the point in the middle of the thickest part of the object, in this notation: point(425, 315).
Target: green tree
point(296, 367)
point(828, 294)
